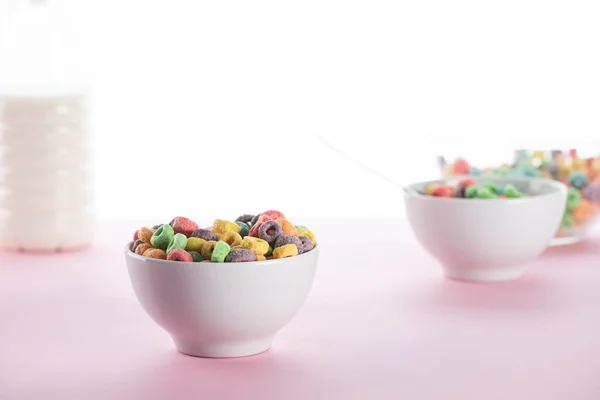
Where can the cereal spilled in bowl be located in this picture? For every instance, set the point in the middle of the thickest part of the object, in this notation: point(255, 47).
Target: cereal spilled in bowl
point(265, 236)
point(470, 189)
point(580, 175)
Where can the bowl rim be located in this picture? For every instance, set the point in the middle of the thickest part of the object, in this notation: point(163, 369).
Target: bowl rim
point(409, 190)
point(129, 253)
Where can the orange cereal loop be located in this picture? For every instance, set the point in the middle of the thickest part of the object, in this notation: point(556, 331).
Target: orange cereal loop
point(588, 206)
point(580, 218)
point(260, 257)
point(287, 227)
point(145, 234)
point(155, 253)
point(585, 203)
point(207, 249)
point(142, 248)
point(237, 247)
point(582, 212)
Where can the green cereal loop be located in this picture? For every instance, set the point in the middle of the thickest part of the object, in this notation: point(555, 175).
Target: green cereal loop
point(573, 198)
point(512, 192)
point(492, 187)
point(471, 192)
point(244, 228)
point(196, 256)
point(301, 228)
point(220, 252)
point(485, 193)
point(530, 170)
point(269, 252)
point(162, 237)
point(568, 220)
point(179, 241)
point(500, 172)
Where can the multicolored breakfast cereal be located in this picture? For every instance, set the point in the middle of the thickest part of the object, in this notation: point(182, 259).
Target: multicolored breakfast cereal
point(265, 236)
point(470, 189)
point(581, 175)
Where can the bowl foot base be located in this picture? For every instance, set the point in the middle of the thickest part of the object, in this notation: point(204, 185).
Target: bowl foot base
point(489, 274)
point(214, 349)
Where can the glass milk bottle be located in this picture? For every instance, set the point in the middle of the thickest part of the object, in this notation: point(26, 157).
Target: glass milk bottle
point(45, 178)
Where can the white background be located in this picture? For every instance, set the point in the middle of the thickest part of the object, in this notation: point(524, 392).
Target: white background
point(215, 108)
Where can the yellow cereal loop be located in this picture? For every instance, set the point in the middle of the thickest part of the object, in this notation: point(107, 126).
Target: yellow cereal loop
point(231, 238)
point(207, 249)
point(288, 250)
point(287, 227)
point(309, 234)
point(195, 244)
point(579, 164)
point(256, 245)
point(428, 189)
point(539, 155)
point(221, 226)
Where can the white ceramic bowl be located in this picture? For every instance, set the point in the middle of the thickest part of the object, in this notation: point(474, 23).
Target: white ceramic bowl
point(222, 310)
point(486, 240)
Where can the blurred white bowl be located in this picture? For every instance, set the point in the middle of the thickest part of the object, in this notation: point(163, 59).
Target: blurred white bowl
point(222, 310)
point(487, 240)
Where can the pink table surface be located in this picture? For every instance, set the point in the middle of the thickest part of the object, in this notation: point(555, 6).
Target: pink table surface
point(380, 323)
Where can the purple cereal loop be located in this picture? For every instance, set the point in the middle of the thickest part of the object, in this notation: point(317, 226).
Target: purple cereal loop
point(592, 193)
point(245, 218)
point(306, 244)
point(204, 234)
point(253, 220)
point(282, 240)
point(135, 244)
point(269, 231)
point(240, 255)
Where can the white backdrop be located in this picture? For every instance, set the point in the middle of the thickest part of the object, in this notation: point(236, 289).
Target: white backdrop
point(214, 108)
